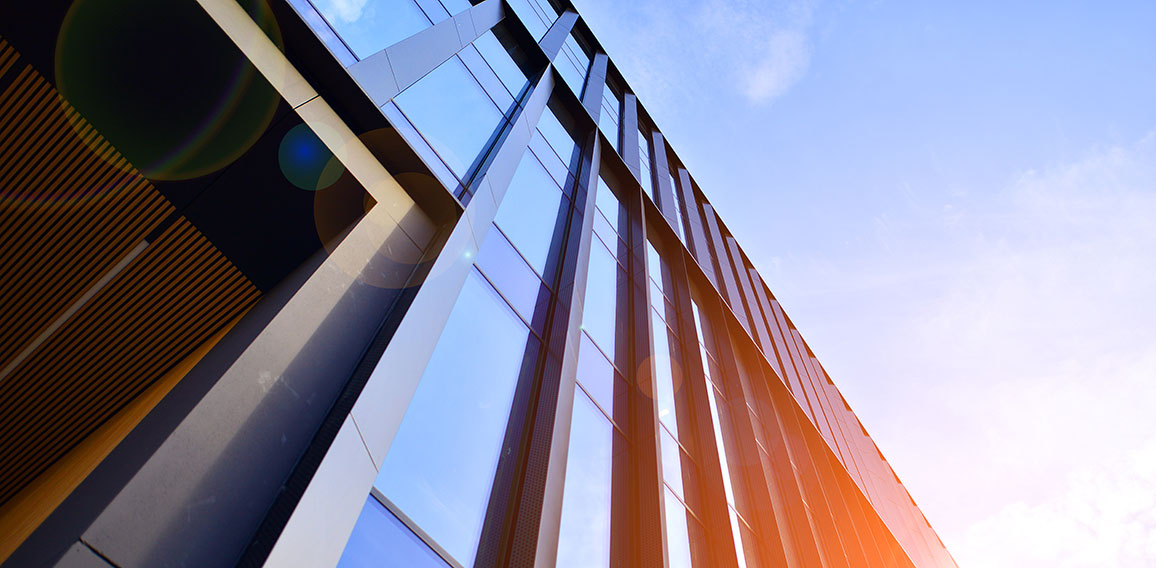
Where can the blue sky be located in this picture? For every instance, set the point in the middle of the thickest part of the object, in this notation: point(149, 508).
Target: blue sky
point(956, 204)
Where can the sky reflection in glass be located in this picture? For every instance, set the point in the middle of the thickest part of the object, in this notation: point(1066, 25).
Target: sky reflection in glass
point(441, 464)
point(453, 113)
point(369, 27)
point(584, 531)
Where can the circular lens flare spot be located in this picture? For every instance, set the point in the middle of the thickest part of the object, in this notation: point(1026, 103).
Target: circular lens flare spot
point(306, 162)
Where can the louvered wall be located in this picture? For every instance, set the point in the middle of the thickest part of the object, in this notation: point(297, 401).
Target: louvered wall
point(91, 313)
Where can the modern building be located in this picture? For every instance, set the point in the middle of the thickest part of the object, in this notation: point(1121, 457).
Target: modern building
point(390, 283)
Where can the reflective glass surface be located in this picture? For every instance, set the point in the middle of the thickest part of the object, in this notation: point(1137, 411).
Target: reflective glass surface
point(677, 533)
point(454, 115)
point(724, 463)
point(370, 26)
point(608, 204)
point(644, 161)
point(500, 61)
point(671, 461)
point(584, 531)
point(681, 212)
point(572, 63)
point(510, 274)
point(557, 137)
point(737, 531)
point(597, 375)
point(317, 23)
point(531, 15)
point(380, 539)
point(440, 466)
point(600, 313)
point(530, 210)
point(608, 118)
point(663, 377)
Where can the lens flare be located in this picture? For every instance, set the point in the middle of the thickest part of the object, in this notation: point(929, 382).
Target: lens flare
point(163, 84)
point(306, 162)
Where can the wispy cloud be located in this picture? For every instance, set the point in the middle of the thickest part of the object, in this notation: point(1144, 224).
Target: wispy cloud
point(346, 10)
point(1014, 328)
point(766, 43)
point(756, 50)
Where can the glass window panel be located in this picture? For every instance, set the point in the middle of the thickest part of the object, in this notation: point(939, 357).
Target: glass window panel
point(510, 274)
point(503, 65)
point(546, 9)
point(671, 461)
point(440, 466)
point(608, 119)
point(597, 375)
point(736, 532)
point(584, 530)
point(530, 210)
point(578, 62)
point(644, 161)
point(371, 26)
point(604, 231)
point(320, 27)
point(600, 312)
point(677, 532)
point(724, 463)
point(489, 81)
point(656, 299)
point(663, 377)
point(452, 112)
point(570, 75)
point(681, 212)
point(420, 145)
point(557, 136)
point(380, 539)
point(558, 170)
point(607, 203)
point(530, 18)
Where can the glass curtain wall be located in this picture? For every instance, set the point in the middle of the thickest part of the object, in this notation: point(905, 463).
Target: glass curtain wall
point(733, 481)
point(677, 451)
point(431, 496)
point(597, 430)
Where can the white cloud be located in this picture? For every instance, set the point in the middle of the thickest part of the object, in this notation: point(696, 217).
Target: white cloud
point(678, 51)
point(347, 10)
point(1105, 517)
point(766, 44)
point(999, 346)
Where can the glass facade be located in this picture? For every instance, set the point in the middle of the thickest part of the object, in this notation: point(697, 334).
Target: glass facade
point(436, 488)
point(718, 430)
point(497, 356)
